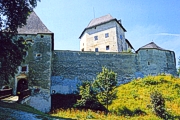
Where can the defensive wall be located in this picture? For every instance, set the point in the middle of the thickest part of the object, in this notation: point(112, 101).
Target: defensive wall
point(70, 68)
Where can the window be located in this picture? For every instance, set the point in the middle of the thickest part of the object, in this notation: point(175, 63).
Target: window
point(82, 49)
point(96, 49)
point(38, 55)
point(107, 47)
point(148, 63)
point(23, 68)
point(106, 35)
point(95, 37)
point(42, 36)
point(121, 37)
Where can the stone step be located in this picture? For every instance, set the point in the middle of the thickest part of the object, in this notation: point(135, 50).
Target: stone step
point(11, 99)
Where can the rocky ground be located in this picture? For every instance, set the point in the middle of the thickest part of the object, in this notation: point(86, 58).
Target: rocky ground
point(11, 114)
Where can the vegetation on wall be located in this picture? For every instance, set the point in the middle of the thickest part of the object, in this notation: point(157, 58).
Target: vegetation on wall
point(13, 14)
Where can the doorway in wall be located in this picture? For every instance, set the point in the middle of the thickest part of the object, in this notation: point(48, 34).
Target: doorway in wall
point(22, 85)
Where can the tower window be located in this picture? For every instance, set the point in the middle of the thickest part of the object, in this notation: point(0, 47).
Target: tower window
point(95, 37)
point(148, 63)
point(106, 35)
point(38, 55)
point(42, 36)
point(82, 49)
point(96, 49)
point(121, 37)
point(107, 47)
point(23, 68)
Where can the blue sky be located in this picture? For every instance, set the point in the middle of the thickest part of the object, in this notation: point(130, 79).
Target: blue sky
point(147, 21)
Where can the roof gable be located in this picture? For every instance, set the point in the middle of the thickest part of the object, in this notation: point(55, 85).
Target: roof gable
point(34, 25)
point(151, 45)
point(100, 20)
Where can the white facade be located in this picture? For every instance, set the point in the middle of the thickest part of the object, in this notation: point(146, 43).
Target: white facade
point(105, 37)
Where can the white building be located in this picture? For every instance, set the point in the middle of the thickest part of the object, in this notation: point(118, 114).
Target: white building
point(104, 34)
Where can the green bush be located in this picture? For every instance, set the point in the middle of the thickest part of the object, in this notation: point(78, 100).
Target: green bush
point(158, 104)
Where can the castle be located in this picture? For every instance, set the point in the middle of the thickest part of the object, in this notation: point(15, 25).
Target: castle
point(47, 71)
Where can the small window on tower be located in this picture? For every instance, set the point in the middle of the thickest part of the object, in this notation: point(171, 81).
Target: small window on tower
point(38, 55)
point(96, 49)
point(107, 47)
point(24, 68)
point(42, 36)
point(121, 37)
point(82, 50)
point(95, 37)
point(106, 35)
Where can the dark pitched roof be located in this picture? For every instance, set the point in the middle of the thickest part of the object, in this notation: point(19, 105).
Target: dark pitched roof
point(151, 45)
point(101, 20)
point(34, 25)
point(127, 41)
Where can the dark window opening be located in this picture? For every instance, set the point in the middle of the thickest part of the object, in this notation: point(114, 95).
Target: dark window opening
point(95, 37)
point(121, 37)
point(38, 55)
point(148, 63)
point(96, 49)
point(107, 47)
point(106, 35)
point(82, 49)
point(24, 68)
point(42, 36)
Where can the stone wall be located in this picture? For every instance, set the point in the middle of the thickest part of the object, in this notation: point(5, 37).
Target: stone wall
point(153, 62)
point(70, 68)
point(38, 73)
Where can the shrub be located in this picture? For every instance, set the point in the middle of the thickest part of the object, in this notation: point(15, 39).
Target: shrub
point(158, 104)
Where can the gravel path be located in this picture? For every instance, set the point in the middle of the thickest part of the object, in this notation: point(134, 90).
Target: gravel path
point(11, 114)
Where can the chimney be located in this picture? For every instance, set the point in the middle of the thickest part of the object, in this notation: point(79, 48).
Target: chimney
point(119, 21)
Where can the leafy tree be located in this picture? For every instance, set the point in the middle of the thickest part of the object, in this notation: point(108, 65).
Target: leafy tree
point(100, 92)
point(13, 14)
point(104, 85)
point(88, 97)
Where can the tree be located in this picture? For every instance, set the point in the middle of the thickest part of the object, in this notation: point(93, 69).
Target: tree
point(158, 104)
point(178, 69)
point(88, 97)
point(13, 14)
point(105, 85)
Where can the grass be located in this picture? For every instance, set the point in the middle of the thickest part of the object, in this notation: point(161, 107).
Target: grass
point(24, 108)
point(133, 101)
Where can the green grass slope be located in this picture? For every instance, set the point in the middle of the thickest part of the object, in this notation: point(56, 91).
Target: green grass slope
point(134, 97)
point(25, 108)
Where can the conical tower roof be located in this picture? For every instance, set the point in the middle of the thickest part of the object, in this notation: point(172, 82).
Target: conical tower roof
point(152, 45)
point(34, 25)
